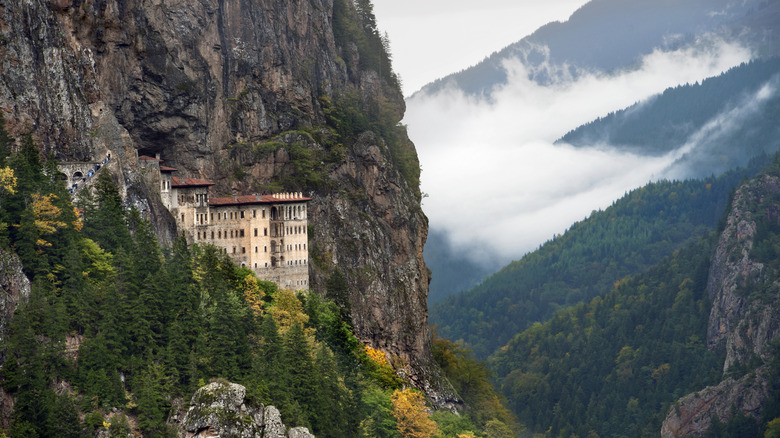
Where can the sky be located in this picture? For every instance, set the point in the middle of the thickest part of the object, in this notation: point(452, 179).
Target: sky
point(430, 39)
point(495, 181)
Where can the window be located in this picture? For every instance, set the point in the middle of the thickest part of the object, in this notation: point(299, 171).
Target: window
point(263, 213)
point(265, 248)
point(241, 233)
point(242, 214)
point(265, 231)
point(211, 217)
point(212, 235)
point(243, 250)
point(219, 234)
point(255, 232)
point(255, 250)
point(231, 233)
point(234, 250)
point(182, 217)
point(254, 213)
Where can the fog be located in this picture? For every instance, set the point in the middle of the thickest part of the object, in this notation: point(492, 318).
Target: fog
point(494, 179)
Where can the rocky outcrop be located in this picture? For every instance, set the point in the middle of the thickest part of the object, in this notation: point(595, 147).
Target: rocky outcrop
point(744, 318)
point(693, 414)
point(220, 409)
point(210, 85)
point(740, 322)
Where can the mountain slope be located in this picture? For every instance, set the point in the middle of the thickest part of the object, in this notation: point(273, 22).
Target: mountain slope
point(620, 358)
point(744, 289)
point(704, 120)
point(628, 237)
point(707, 315)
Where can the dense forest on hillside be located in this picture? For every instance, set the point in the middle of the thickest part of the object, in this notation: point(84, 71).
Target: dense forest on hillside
point(118, 331)
point(625, 358)
point(667, 121)
point(622, 359)
point(630, 236)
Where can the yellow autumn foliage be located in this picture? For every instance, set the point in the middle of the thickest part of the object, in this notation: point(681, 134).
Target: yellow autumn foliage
point(7, 180)
point(46, 215)
point(376, 356)
point(412, 419)
point(253, 294)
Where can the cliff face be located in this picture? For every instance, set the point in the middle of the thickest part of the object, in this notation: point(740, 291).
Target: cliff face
point(232, 91)
point(745, 314)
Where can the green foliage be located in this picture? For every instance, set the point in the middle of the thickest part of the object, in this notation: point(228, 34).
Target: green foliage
point(350, 114)
point(471, 379)
point(355, 23)
point(622, 358)
point(628, 237)
point(379, 421)
point(451, 425)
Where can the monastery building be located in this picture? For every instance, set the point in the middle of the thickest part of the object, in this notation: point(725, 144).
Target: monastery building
point(266, 233)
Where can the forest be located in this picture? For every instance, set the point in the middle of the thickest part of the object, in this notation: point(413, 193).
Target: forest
point(624, 358)
point(628, 237)
point(610, 356)
point(118, 332)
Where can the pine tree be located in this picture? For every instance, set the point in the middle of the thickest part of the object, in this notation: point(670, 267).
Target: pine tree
point(299, 363)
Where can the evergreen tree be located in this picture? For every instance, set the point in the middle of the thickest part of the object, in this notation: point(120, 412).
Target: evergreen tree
point(299, 363)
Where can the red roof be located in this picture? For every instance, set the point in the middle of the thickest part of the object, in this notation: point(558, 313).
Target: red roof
point(167, 169)
point(255, 199)
point(189, 182)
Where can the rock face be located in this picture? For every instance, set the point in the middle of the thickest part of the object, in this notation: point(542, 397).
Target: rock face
point(210, 85)
point(219, 409)
point(744, 318)
point(741, 323)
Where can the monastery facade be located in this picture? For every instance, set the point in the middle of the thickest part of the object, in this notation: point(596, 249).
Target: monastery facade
point(266, 233)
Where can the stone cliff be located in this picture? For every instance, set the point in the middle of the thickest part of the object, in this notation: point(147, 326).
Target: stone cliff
point(744, 288)
point(249, 94)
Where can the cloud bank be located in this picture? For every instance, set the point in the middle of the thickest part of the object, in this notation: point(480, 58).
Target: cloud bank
point(496, 182)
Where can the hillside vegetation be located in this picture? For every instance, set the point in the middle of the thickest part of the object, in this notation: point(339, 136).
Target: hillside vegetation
point(624, 358)
point(621, 359)
point(629, 237)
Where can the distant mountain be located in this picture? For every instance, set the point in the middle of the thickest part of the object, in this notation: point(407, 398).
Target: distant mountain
point(716, 125)
point(605, 35)
point(629, 237)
